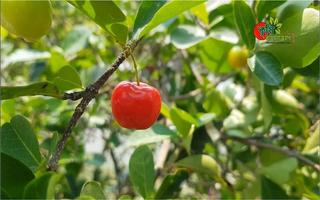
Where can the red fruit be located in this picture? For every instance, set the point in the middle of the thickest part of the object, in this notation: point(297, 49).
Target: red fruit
point(135, 106)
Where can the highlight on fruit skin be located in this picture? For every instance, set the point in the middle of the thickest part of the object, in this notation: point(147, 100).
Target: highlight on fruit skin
point(237, 56)
point(135, 106)
point(28, 19)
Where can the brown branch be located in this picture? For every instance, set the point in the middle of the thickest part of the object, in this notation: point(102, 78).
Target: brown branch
point(288, 152)
point(87, 95)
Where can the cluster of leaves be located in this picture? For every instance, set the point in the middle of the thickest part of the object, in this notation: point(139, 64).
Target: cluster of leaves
point(206, 103)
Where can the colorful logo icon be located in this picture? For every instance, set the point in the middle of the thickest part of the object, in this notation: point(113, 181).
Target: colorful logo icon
point(263, 29)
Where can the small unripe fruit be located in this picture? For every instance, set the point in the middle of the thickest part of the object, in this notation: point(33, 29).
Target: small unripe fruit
point(28, 19)
point(135, 106)
point(238, 56)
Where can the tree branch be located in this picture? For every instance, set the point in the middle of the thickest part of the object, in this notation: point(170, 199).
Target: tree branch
point(86, 96)
point(288, 152)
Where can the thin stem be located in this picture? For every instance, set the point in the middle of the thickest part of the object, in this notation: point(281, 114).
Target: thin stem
point(281, 150)
point(135, 69)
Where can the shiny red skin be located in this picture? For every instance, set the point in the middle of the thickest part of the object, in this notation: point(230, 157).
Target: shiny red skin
point(135, 106)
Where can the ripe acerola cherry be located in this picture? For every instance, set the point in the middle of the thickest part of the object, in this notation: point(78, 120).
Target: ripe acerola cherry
point(135, 106)
point(29, 19)
point(237, 56)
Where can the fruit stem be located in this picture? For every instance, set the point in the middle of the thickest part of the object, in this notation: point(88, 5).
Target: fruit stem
point(135, 69)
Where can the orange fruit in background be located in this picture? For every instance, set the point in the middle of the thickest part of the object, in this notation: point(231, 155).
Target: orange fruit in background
point(27, 19)
point(237, 56)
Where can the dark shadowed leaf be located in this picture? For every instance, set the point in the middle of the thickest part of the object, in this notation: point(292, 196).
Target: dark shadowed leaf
point(170, 186)
point(19, 141)
point(270, 190)
point(14, 177)
point(43, 187)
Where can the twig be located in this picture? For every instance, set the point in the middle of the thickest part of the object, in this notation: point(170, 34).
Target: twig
point(87, 95)
point(284, 151)
point(188, 95)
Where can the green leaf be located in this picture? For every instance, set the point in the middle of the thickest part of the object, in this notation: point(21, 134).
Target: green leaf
point(264, 6)
point(266, 106)
point(213, 54)
point(279, 172)
point(215, 103)
point(14, 177)
point(19, 141)
point(57, 60)
point(154, 134)
point(67, 78)
point(202, 164)
point(266, 67)
point(245, 22)
point(43, 187)
point(125, 197)
point(185, 36)
point(304, 28)
point(270, 190)
point(92, 189)
point(312, 143)
point(40, 88)
point(107, 15)
point(171, 185)
point(201, 12)
point(146, 12)
point(76, 40)
point(152, 14)
point(291, 7)
point(141, 171)
point(183, 126)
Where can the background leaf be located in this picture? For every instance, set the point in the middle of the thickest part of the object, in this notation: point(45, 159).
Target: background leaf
point(156, 133)
point(171, 184)
point(107, 15)
point(141, 171)
point(160, 13)
point(92, 189)
point(75, 40)
point(67, 78)
point(43, 187)
point(266, 67)
point(203, 164)
point(264, 6)
point(245, 22)
point(185, 36)
point(19, 141)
